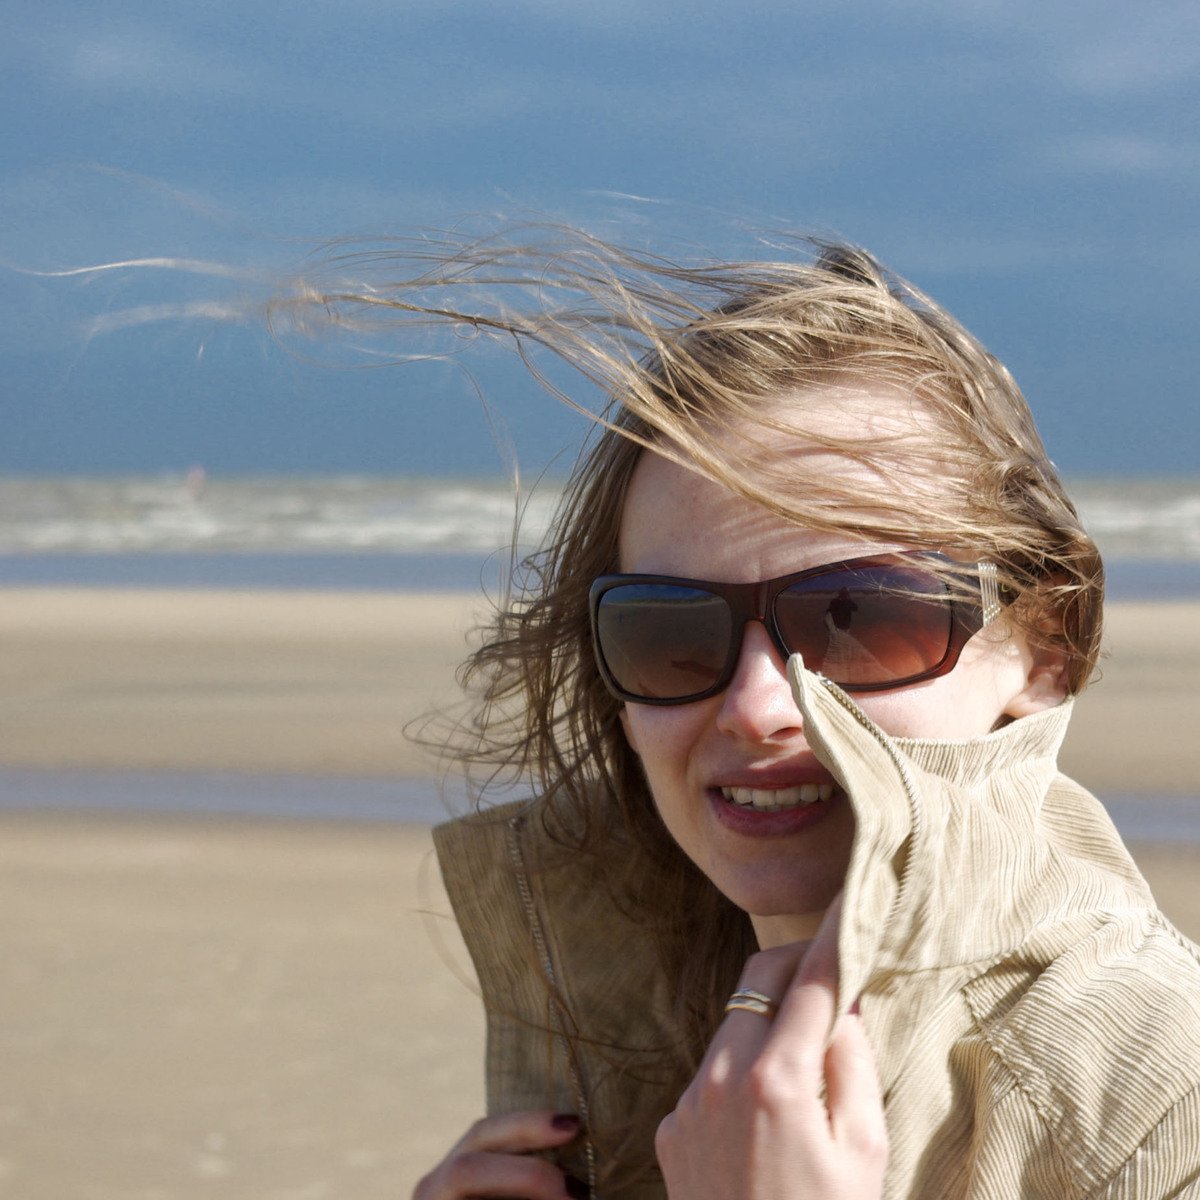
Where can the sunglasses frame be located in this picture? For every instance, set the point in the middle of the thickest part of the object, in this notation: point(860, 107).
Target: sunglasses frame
point(747, 602)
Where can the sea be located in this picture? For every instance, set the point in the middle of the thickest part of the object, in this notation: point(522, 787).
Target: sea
point(187, 529)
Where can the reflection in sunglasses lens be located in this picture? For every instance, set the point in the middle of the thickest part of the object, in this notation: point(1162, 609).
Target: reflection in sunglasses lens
point(859, 627)
point(661, 640)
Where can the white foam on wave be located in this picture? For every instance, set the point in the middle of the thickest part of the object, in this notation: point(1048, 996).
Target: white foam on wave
point(114, 515)
point(1158, 519)
point(1142, 518)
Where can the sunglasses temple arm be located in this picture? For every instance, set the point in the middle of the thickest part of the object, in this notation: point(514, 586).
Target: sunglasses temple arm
point(989, 592)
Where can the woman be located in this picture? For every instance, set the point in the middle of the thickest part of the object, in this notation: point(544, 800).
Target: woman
point(804, 907)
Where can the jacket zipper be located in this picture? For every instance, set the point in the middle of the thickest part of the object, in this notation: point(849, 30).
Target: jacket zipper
point(906, 779)
point(547, 965)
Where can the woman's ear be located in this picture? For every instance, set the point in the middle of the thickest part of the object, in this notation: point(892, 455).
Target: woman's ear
point(1045, 681)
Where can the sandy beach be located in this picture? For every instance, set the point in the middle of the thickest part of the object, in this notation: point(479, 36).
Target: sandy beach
point(226, 1007)
point(253, 1011)
point(208, 680)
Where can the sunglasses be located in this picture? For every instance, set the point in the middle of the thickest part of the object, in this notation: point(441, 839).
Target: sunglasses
point(866, 624)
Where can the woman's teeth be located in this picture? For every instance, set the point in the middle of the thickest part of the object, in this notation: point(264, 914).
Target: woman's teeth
point(773, 799)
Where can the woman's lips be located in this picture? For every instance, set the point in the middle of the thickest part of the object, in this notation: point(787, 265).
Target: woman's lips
point(773, 812)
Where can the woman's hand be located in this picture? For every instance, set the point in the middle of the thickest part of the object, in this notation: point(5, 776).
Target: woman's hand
point(493, 1159)
point(753, 1124)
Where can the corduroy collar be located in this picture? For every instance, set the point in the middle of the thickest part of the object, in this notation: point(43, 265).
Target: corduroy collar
point(961, 851)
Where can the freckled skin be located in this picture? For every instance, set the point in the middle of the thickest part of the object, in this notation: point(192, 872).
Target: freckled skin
point(676, 523)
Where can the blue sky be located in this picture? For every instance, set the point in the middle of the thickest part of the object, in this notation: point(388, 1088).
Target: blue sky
point(1035, 166)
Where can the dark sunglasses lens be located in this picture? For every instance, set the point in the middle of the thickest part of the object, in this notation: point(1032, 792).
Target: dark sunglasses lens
point(870, 626)
point(662, 641)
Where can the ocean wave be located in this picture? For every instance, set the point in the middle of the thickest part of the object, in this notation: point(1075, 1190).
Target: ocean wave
point(188, 512)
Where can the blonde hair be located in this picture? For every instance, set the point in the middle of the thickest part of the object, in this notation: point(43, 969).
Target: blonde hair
point(688, 354)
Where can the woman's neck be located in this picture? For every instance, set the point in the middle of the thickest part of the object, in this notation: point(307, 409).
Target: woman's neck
point(786, 928)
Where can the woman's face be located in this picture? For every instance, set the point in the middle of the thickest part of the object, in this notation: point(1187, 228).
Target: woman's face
point(790, 861)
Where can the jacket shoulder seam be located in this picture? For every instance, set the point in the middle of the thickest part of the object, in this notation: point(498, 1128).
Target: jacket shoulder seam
point(1025, 1076)
point(1020, 1085)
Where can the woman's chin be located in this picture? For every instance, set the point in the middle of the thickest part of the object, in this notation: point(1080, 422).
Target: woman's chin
point(790, 900)
point(786, 866)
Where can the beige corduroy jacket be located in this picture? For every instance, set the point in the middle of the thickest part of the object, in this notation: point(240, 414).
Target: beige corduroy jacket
point(1035, 1018)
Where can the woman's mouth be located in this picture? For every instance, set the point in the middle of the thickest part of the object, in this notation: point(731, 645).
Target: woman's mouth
point(778, 799)
point(767, 812)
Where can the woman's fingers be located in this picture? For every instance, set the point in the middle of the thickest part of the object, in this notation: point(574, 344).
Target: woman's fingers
point(855, 1104)
point(520, 1132)
point(807, 1005)
point(801, 981)
point(779, 1108)
point(493, 1175)
point(741, 1035)
point(493, 1159)
point(846, 1065)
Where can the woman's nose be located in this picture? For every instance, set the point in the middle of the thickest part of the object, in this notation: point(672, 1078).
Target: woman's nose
point(758, 705)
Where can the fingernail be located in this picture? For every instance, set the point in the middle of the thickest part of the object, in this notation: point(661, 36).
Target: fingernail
point(565, 1122)
point(576, 1188)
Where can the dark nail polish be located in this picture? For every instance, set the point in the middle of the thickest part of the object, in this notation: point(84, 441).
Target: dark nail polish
point(576, 1188)
point(565, 1122)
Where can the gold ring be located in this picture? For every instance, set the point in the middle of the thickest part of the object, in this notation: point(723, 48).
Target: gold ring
point(748, 1000)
